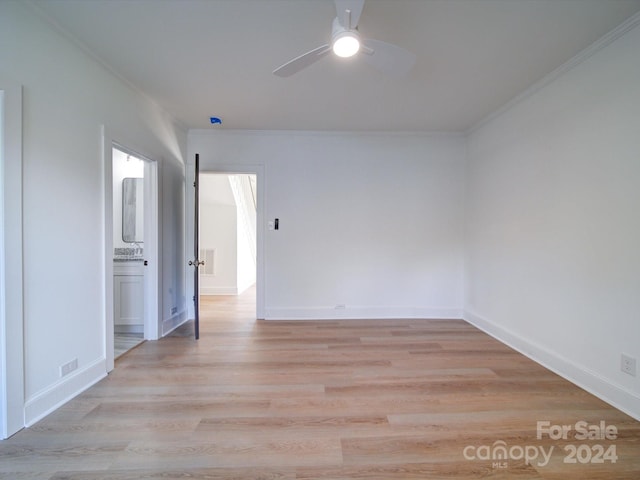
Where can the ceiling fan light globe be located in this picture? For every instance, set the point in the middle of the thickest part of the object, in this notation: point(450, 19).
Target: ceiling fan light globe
point(346, 45)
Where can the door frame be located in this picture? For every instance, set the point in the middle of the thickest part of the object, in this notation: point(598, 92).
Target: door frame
point(151, 238)
point(12, 374)
point(259, 172)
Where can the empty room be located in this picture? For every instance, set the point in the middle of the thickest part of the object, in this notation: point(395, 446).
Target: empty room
point(437, 200)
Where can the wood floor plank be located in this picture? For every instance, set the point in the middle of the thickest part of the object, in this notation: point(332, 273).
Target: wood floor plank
point(230, 452)
point(418, 471)
point(241, 473)
point(339, 399)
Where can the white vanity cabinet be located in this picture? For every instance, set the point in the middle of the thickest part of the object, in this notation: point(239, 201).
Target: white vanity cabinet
point(128, 295)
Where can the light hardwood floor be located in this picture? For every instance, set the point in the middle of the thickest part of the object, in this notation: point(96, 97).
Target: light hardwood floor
point(123, 342)
point(374, 399)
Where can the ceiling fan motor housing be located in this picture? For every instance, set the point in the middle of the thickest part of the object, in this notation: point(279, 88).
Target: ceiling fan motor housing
point(344, 42)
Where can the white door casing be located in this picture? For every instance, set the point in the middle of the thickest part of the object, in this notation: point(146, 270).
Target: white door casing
point(152, 323)
point(12, 379)
point(259, 171)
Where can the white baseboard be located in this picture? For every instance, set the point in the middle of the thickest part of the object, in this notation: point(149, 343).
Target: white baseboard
point(128, 328)
point(603, 388)
point(46, 401)
point(357, 312)
point(170, 324)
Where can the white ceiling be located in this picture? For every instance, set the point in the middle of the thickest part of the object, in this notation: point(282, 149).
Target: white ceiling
point(199, 58)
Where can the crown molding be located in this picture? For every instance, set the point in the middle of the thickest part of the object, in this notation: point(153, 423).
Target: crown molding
point(626, 26)
point(326, 133)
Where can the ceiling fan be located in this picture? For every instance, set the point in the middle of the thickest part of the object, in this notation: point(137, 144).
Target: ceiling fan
point(347, 42)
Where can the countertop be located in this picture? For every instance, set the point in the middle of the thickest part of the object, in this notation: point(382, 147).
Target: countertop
point(127, 259)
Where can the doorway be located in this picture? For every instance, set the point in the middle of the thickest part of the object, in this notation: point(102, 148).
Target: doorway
point(131, 248)
point(128, 251)
point(254, 308)
point(228, 210)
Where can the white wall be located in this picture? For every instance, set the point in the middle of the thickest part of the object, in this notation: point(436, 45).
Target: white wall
point(218, 230)
point(246, 267)
point(372, 222)
point(173, 249)
point(68, 97)
point(553, 230)
point(246, 229)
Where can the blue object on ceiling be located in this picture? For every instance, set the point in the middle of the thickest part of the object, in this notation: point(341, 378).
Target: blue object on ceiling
point(215, 120)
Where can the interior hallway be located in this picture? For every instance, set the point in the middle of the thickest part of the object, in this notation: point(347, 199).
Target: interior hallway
point(377, 399)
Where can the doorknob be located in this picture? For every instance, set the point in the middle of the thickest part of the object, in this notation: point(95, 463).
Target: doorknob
point(196, 263)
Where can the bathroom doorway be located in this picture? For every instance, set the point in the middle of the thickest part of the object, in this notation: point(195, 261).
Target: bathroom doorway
point(131, 249)
point(128, 251)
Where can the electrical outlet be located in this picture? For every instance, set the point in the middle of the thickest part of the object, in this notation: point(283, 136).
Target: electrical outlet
point(174, 310)
point(67, 368)
point(628, 365)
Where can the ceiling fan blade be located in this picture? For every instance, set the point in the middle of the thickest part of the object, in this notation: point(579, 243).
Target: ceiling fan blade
point(353, 6)
point(387, 57)
point(303, 61)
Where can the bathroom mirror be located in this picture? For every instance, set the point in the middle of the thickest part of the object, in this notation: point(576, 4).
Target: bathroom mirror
point(132, 210)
